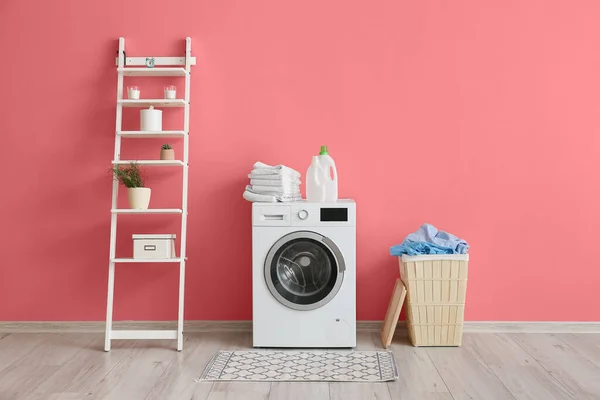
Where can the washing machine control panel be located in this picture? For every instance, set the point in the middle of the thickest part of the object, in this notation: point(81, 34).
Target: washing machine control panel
point(323, 214)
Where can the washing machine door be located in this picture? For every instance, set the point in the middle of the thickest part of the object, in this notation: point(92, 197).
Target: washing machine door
point(304, 270)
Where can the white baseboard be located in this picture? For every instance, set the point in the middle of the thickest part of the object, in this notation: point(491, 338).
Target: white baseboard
point(246, 326)
point(530, 327)
point(99, 326)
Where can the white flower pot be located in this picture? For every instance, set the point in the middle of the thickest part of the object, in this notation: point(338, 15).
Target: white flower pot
point(139, 198)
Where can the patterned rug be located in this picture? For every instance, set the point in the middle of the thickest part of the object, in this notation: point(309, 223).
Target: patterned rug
point(304, 365)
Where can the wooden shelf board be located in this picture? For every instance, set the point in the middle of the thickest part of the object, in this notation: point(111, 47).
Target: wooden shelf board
point(148, 211)
point(153, 163)
point(152, 102)
point(144, 71)
point(145, 260)
point(151, 134)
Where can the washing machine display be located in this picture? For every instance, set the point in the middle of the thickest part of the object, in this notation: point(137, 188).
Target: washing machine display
point(304, 270)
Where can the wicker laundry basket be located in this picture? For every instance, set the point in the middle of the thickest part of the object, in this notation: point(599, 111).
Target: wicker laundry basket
point(437, 287)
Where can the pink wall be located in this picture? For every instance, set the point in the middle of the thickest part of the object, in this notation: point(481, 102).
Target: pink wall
point(481, 117)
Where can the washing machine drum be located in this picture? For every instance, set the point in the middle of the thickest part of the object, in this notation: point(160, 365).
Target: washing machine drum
point(304, 270)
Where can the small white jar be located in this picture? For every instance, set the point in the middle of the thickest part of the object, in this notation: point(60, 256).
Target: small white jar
point(170, 92)
point(133, 92)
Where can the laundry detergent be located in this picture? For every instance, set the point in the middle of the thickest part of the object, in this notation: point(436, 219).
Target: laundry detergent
point(322, 178)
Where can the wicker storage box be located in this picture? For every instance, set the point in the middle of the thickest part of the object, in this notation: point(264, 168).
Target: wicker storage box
point(437, 288)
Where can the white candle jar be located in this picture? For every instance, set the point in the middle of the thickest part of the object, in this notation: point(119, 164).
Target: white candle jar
point(170, 92)
point(133, 92)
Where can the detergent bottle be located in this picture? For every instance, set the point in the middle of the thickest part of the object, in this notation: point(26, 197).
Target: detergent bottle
point(321, 186)
point(331, 177)
point(315, 181)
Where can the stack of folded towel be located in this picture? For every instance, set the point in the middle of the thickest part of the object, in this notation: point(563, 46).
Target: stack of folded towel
point(273, 183)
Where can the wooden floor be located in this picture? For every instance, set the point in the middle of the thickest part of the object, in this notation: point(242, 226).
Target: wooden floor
point(487, 366)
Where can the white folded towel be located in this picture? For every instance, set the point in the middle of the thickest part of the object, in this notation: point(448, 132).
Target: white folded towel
point(269, 182)
point(275, 189)
point(262, 198)
point(274, 173)
point(273, 183)
point(273, 180)
point(281, 170)
point(283, 197)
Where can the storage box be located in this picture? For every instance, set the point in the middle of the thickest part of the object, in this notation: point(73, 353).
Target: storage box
point(154, 246)
point(436, 292)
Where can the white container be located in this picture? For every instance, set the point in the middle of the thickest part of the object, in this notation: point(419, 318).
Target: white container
point(322, 178)
point(133, 92)
point(154, 246)
point(151, 119)
point(315, 181)
point(170, 92)
point(331, 177)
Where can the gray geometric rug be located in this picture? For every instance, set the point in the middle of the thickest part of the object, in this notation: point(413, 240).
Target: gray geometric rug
point(301, 365)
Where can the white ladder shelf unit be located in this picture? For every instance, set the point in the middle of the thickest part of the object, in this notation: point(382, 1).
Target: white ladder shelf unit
point(158, 66)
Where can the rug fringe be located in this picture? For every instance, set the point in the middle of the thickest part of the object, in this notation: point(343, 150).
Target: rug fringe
point(396, 373)
point(208, 366)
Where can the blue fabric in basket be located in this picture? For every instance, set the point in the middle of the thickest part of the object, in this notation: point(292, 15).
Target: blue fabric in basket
point(429, 240)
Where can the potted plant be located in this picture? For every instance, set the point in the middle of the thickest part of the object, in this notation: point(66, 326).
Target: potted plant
point(131, 177)
point(167, 152)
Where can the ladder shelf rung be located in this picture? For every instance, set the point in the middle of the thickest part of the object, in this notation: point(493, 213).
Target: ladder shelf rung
point(158, 61)
point(151, 134)
point(152, 102)
point(144, 71)
point(152, 163)
point(143, 334)
point(146, 211)
point(145, 260)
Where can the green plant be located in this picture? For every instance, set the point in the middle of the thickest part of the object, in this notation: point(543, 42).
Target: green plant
point(166, 147)
point(129, 176)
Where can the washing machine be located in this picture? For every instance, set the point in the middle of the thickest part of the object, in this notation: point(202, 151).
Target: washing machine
point(304, 274)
